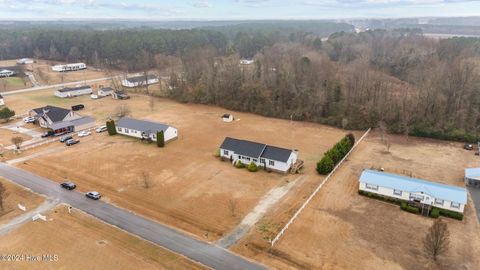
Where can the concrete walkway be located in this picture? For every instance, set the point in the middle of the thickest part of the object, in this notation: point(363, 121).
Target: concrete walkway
point(265, 204)
point(17, 221)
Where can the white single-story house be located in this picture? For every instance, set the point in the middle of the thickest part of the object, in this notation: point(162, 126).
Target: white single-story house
point(25, 61)
point(265, 156)
point(227, 118)
point(61, 120)
point(144, 129)
point(74, 91)
point(140, 81)
point(6, 73)
point(2, 102)
point(472, 177)
point(405, 188)
point(106, 91)
point(246, 61)
point(69, 67)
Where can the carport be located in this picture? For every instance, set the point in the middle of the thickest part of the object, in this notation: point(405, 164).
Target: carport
point(62, 127)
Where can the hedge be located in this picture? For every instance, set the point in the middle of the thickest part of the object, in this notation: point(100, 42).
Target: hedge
point(160, 139)
point(435, 213)
point(450, 214)
point(408, 208)
point(333, 156)
point(112, 130)
point(380, 197)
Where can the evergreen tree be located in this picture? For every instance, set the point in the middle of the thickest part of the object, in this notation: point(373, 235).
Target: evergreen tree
point(160, 139)
point(112, 130)
point(6, 114)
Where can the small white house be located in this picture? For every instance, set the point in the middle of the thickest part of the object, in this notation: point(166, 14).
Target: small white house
point(6, 73)
point(106, 91)
point(2, 102)
point(247, 61)
point(264, 156)
point(74, 91)
point(427, 193)
point(227, 118)
point(69, 67)
point(25, 61)
point(144, 129)
point(140, 81)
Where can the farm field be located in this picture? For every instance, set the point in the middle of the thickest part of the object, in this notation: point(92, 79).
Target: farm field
point(187, 187)
point(340, 229)
point(82, 242)
point(17, 195)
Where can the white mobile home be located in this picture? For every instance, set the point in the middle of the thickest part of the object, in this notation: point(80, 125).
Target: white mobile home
point(106, 91)
point(74, 91)
point(24, 61)
point(265, 156)
point(140, 81)
point(472, 177)
point(426, 193)
point(247, 61)
point(143, 129)
point(2, 102)
point(69, 67)
point(6, 73)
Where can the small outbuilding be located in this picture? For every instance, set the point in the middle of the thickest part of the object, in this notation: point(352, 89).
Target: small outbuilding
point(139, 81)
point(227, 118)
point(105, 91)
point(25, 61)
point(2, 102)
point(472, 177)
point(145, 129)
point(67, 92)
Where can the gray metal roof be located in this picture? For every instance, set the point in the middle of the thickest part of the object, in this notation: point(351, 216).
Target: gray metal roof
point(142, 125)
point(256, 150)
point(55, 114)
point(83, 120)
point(70, 89)
point(138, 79)
point(60, 125)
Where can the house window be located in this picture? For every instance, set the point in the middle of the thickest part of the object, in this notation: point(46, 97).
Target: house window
point(247, 158)
point(271, 163)
point(372, 187)
point(438, 201)
point(397, 192)
point(262, 160)
point(225, 152)
point(455, 205)
point(119, 129)
point(126, 130)
point(416, 197)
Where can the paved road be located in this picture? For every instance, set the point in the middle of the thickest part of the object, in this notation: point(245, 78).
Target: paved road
point(204, 253)
point(475, 194)
point(40, 88)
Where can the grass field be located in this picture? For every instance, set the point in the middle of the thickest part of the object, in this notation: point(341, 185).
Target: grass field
point(7, 135)
point(81, 242)
point(13, 83)
point(342, 230)
point(16, 195)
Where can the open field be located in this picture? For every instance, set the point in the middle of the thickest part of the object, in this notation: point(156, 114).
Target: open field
point(7, 135)
point(17, 195)
point(14, 83)
point(188, 188)
point(340, 229)
point(82, 242)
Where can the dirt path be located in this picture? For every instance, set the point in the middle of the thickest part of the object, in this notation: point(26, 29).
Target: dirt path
point(267, 202)
point(15, 222)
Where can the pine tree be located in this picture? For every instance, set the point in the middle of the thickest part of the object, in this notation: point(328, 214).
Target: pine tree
point(160, 139)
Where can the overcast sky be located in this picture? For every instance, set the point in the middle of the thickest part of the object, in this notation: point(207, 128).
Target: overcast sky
point(233, 9)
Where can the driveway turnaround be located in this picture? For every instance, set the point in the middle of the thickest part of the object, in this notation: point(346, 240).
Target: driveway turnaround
point(207, 254)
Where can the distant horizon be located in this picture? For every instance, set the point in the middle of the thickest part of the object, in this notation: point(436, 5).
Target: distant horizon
point(221, 10)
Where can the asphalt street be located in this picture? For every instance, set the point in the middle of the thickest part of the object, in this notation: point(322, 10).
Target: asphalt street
point(205, 253)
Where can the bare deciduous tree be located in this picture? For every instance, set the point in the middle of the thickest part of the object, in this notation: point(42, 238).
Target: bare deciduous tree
point(146, 180)
point(17, 141)
point(437, 240)
point(384, 135)
point(3, 195)
point(232, 206)
point(122, 111)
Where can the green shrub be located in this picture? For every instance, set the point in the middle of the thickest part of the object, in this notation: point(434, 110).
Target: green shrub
point(451, 214)
point(111, 129)
point(239, 164)
point(217, 152)
point(404, 206)
point(6, 114)
point(252, 167)
point(435, 213)
point(333, 156)
point(160, 139)
point(325, 165)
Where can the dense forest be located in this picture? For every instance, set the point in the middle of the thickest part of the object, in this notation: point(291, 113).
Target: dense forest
point(394, 78)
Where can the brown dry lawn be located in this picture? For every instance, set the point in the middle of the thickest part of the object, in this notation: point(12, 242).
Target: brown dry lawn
point(191, 189)
point(17, 195)
point(82, 242)
point(7, 135)
point(342, 230)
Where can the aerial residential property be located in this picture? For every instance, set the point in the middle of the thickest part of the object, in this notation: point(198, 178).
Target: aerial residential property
point(425, 193)
point(69, 92)
point(69, 67)
point(6, 73)
point(25, 61)
point(60, 120)
point(265, 156)
point(138, 81)
point(145, 129)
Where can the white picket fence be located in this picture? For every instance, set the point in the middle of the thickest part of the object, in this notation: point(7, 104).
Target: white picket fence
point(280, 234)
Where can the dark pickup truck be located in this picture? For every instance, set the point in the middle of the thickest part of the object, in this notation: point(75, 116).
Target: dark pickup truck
point(78, 107)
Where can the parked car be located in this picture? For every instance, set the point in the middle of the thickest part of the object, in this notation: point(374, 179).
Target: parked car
point(48, 134)
point(93, 195)
point(84, 133)
point(65, 138)
point(101, 129)
point(468, 146)
point(93, 96)
point(29, 119)
point(68, 185)
point(71, 142)
point(78, 107)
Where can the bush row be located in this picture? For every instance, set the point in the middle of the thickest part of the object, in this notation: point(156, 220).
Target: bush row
point(252, 167)
point(404, 206)
point(380, 197)
point(335, 154)
point(450, 214)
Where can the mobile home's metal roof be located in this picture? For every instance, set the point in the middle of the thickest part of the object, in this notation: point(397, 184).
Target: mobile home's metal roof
point(70, 89)
point(472, 173)
point(141, 125)
point(403, 183)
point(256, 150)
